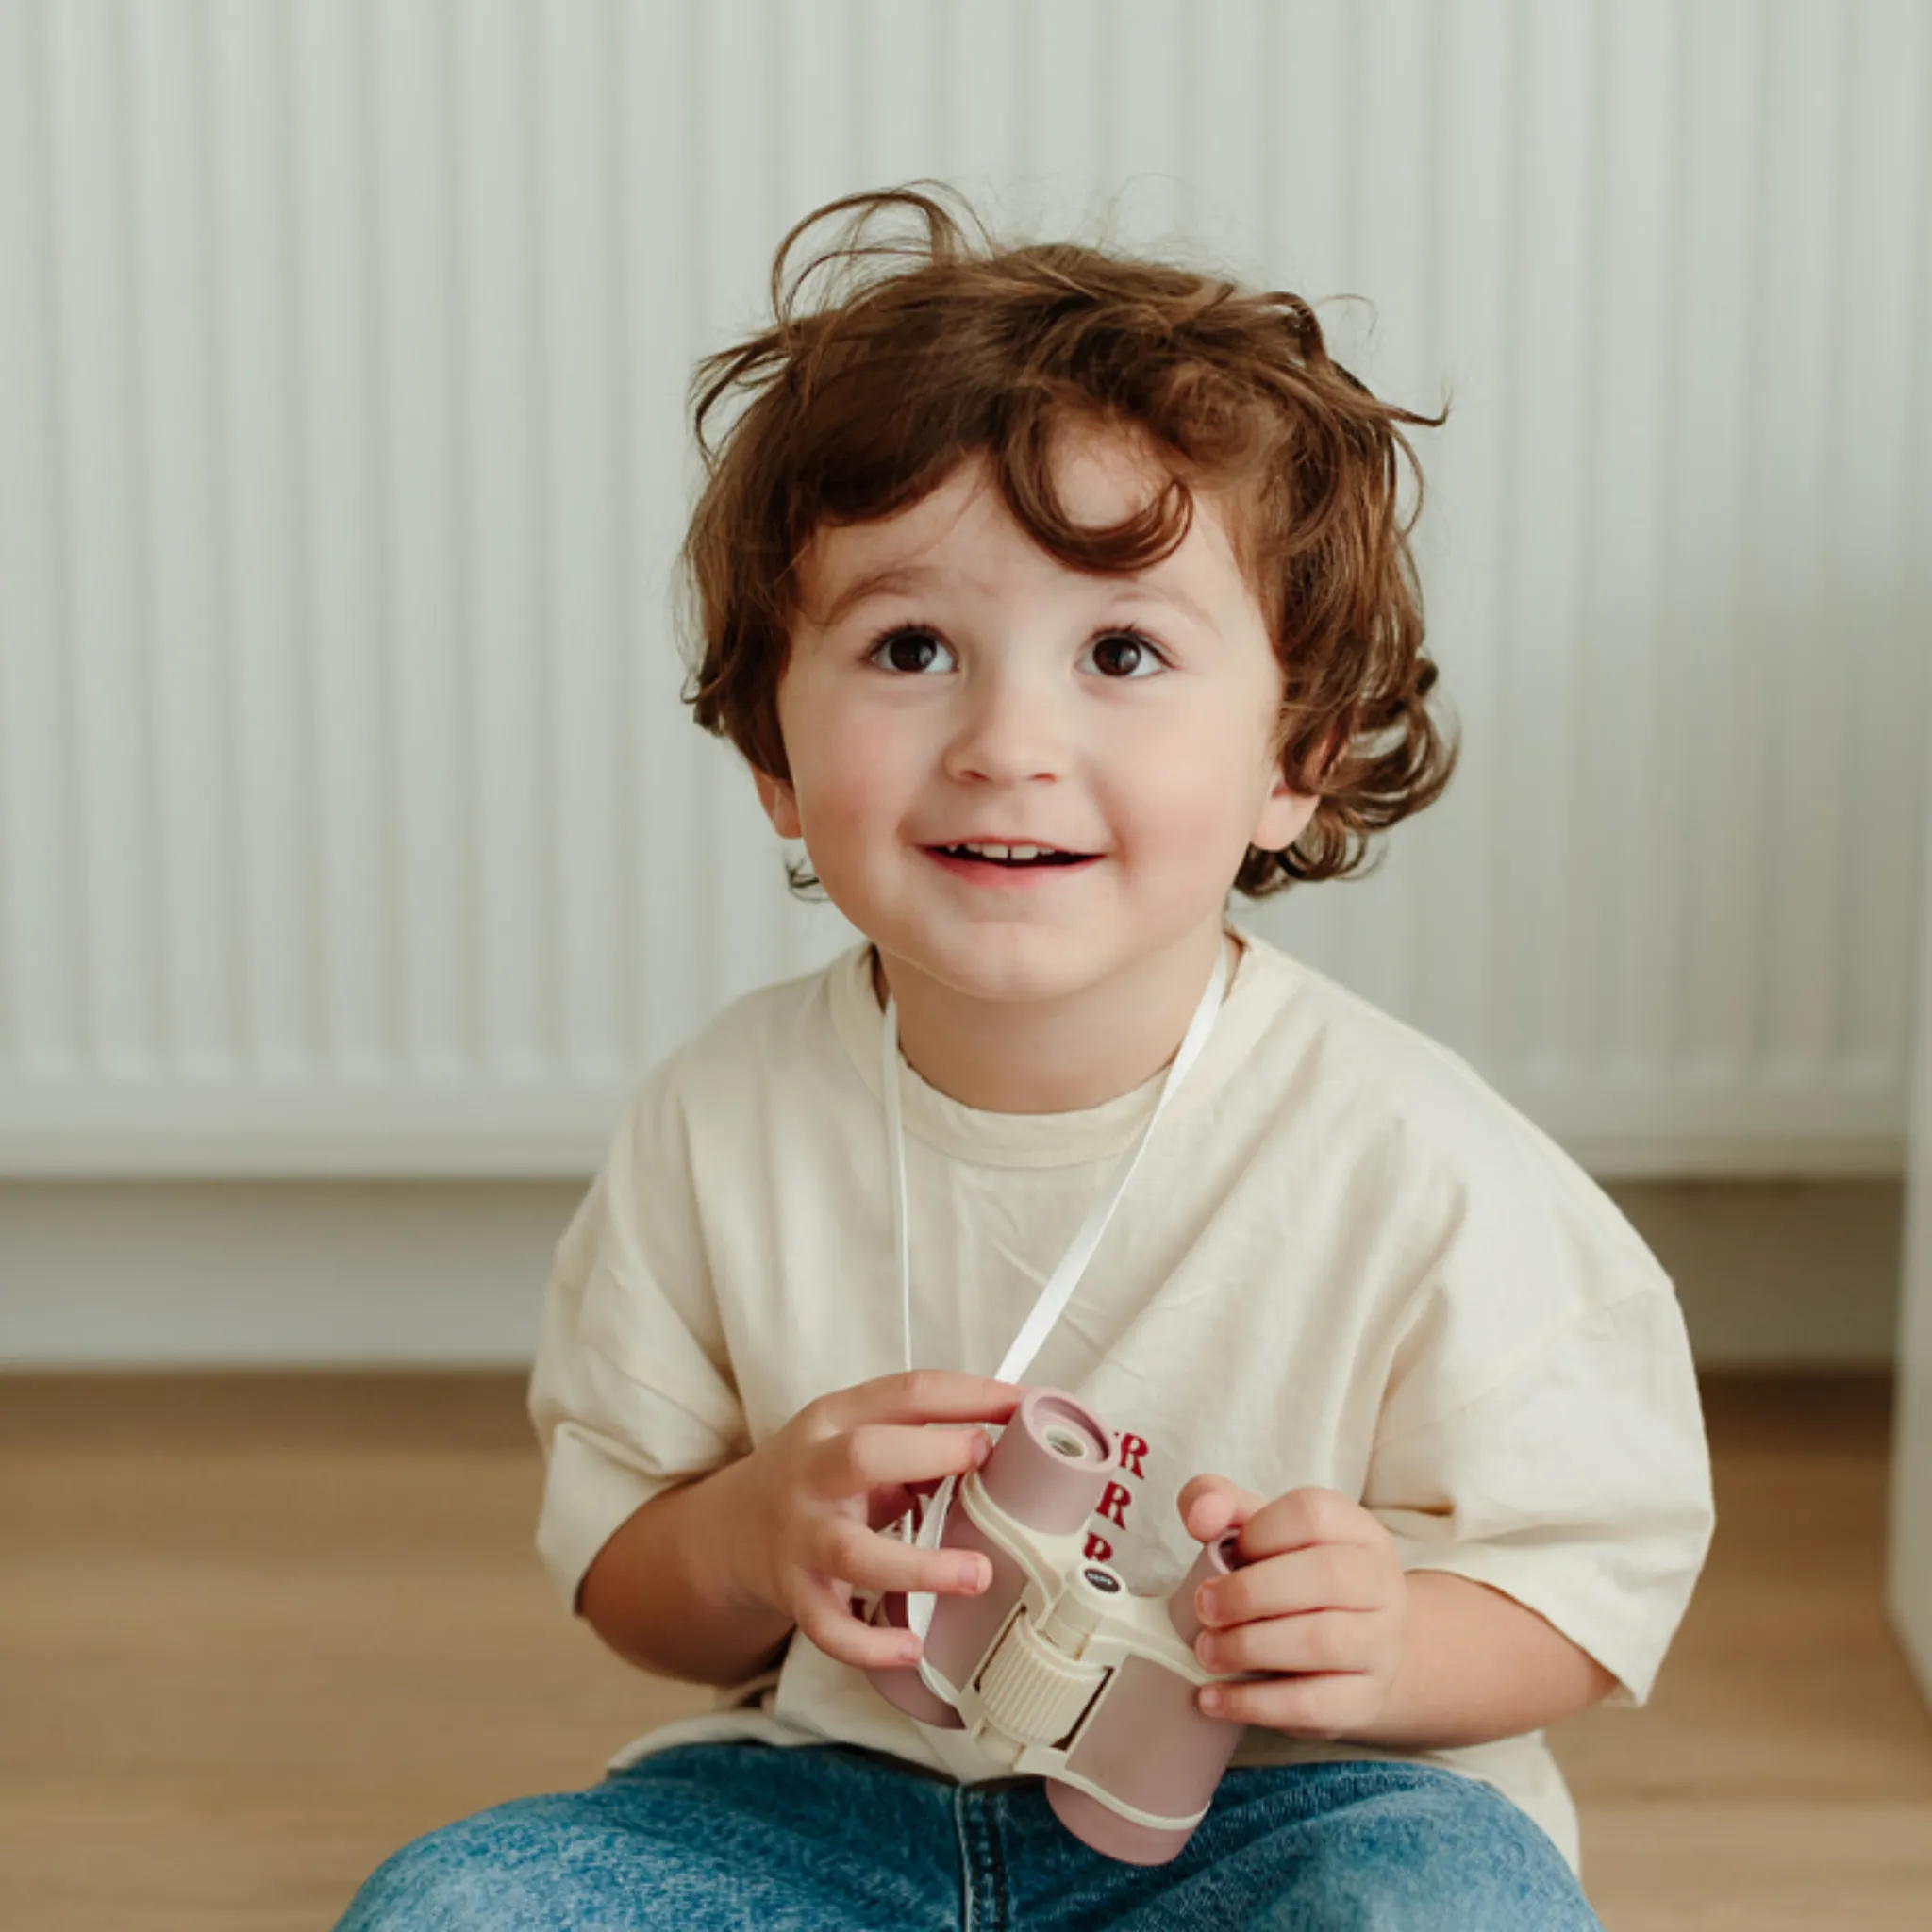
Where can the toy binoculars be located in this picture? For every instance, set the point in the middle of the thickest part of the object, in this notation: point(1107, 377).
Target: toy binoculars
point(1057, 1668)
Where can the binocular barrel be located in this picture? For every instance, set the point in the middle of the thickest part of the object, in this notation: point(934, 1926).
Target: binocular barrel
point(1136, 1732)
point(1048, 1469)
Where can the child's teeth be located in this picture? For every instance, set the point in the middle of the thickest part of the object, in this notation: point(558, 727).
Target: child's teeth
point(1006, 855)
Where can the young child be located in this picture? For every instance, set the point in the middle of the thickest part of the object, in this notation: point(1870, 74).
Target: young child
point(1047, 593)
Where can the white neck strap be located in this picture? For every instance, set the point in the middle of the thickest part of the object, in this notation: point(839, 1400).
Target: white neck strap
point(1066, 1277)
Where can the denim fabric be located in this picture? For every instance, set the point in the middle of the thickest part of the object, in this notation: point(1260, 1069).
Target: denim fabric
point(761, 1839)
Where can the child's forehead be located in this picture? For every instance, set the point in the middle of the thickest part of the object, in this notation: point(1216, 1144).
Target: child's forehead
point(961, 532)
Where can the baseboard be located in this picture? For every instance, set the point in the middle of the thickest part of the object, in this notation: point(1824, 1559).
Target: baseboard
point(450, 1273)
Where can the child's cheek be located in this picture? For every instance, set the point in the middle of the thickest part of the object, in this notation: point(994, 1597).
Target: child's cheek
point(1187, 797)
point(854, 792)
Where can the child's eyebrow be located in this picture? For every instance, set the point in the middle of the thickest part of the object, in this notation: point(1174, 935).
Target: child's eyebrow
point(910, 580)
point(1152, 590)
point(889, 580)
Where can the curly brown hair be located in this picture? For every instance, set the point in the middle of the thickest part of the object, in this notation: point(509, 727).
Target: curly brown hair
point(925, 350)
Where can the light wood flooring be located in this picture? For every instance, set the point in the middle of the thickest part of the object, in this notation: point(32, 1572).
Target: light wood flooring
point(256, 1632)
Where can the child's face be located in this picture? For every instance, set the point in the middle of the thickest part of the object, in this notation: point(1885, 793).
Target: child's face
point(950, 684)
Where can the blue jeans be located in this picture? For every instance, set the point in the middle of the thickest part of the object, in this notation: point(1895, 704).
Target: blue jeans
point(830, 1839)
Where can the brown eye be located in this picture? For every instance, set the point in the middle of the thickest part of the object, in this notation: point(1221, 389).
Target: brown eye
point(909, 650)
point(1121, 654)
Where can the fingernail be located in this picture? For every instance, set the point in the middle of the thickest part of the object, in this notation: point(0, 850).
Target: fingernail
point(1211, 1700)
point(975, 1573)
point(1207, 1605)
point(1208, 1650)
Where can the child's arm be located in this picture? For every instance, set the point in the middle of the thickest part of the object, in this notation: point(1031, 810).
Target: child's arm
point(1424, 1661)
point(706, 1581)
point(1477, 1665)
point(659, 1593)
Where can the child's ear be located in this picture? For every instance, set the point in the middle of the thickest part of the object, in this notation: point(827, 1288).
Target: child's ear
point(1285, 815)
point(1283, 818)
point(1286, 812)
point(780, 806)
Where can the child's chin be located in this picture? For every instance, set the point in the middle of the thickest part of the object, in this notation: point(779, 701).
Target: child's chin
point(1012, 977)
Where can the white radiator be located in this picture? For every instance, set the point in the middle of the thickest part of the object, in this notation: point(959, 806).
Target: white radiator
point(349, 821)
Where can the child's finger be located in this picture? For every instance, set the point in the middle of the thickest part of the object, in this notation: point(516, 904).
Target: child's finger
point(883, 1454)
point(924, 1396)
point(1305, 1517)
point(1211, 1505)
point(823, 1614)
point(1318, 1641)
point(856, 1556)
point(1331, 1706)
point(1325, 1576)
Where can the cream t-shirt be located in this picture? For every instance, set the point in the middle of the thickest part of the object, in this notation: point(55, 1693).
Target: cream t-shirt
point(1344, 1261)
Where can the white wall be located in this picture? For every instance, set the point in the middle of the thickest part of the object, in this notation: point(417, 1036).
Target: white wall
point(1910, 1560)
point(351, 824)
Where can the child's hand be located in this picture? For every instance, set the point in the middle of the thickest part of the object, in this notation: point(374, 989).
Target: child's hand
point(1321, 1598)
point(816, 1495)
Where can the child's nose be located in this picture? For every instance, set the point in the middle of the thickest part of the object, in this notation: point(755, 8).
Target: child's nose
point(1009, 731)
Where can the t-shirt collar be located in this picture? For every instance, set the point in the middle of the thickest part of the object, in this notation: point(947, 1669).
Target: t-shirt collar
point(1262, 980)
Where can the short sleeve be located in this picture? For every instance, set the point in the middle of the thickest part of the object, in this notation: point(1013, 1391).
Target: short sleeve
point(632, 1391)
point(1543, 1434)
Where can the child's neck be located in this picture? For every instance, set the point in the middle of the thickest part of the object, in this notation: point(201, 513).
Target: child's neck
point(1051, 1057)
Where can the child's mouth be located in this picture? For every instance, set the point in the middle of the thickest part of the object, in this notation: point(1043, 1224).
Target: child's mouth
point(987, 861)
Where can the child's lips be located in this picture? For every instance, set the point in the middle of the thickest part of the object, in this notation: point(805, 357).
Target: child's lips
point(991, 871)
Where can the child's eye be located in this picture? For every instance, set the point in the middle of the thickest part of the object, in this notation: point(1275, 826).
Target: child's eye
point(1122, 654)
point(910, 649)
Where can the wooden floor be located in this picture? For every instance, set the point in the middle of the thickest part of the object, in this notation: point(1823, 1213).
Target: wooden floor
point(256, 1632)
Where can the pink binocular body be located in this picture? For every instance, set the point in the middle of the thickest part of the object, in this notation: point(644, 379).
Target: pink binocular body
point(1057, 1668)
